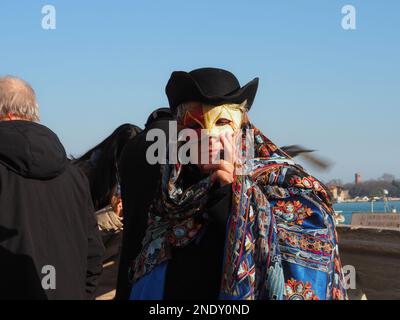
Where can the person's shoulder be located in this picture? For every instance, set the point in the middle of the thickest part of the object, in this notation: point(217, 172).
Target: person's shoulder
point(300, 182)
point(75, 177)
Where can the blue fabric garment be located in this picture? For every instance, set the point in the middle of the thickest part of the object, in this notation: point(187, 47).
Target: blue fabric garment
point(151, 286)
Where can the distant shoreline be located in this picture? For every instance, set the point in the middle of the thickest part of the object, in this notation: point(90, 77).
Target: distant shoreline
point(346, 209)
point(361, 200)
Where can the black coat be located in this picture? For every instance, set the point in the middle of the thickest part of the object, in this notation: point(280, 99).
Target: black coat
point(194, 272)
point(46, 218)
point(139, 181)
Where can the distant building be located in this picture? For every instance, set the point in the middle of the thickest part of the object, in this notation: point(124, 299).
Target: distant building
point(344, 195)
point(357, 179)
point(338, 194)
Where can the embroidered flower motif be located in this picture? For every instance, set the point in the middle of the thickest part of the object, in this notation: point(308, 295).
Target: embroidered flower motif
point(297, 290)
point(183, 233)
point(305, 182)
point(304, 242)
point(310, 183)
point(294, 212)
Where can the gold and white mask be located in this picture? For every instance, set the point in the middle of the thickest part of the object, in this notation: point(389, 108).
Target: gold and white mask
point(216, 120)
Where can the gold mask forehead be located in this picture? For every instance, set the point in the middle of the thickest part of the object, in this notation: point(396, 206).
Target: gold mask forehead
point(207, 116)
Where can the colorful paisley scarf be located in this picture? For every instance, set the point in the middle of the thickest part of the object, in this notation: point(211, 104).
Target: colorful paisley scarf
point(280, 242)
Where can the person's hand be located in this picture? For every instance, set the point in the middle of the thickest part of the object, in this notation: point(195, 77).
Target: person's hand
point(223, 171)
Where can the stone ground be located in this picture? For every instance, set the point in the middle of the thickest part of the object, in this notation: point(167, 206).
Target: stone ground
point(375, 254)
point(106, 290)
point(108, 280)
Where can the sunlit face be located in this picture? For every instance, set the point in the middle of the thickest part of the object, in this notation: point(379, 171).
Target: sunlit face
point(213, 121)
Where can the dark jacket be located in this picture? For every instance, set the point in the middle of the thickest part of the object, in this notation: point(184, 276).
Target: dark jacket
point(194, 272)
point(47, 224)
point(139, 181)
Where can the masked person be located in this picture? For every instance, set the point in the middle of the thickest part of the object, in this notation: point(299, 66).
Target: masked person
point(245, 227)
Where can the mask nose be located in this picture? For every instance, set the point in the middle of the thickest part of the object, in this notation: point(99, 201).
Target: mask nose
point(217, 131)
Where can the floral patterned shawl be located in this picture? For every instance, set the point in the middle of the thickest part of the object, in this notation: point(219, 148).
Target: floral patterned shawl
point(280, 241)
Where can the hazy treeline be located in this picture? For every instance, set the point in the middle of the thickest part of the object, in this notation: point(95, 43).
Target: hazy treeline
point(373, 187)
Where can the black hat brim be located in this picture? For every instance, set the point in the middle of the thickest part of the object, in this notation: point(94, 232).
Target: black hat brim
point(182, 88)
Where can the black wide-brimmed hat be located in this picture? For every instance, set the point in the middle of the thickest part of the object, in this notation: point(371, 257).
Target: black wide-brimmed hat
point(210, 86)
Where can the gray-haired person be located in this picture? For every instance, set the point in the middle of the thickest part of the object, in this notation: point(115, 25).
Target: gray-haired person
point(50, 246)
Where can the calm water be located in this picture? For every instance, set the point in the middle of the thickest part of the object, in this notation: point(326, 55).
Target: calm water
point(349, 207)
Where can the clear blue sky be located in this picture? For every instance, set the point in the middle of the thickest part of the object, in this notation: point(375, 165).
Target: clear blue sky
point(107, 63)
